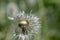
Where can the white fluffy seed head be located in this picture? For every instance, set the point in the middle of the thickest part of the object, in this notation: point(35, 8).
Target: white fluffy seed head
point(33, 26)
point(33, 20)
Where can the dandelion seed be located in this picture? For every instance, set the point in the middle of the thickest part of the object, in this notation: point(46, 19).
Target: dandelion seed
point(12, 11)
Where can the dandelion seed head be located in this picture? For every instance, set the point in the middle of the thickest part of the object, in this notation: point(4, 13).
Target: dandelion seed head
point(33, 24)
point(30, 21)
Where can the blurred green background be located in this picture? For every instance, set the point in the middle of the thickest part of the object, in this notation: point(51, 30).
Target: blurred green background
point(47, 10)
